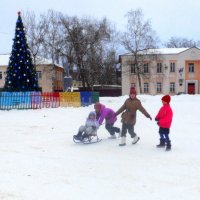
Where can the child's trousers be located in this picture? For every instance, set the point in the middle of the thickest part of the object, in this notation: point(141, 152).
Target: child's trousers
point(87, 130)
point(164, 135)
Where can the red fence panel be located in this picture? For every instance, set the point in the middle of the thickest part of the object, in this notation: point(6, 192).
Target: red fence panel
point(45, 100)
point(50, 100)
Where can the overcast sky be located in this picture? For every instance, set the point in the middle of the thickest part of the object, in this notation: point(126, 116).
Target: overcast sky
point(168, 17)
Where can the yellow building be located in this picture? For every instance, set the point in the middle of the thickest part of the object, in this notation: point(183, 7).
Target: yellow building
point(50, 76)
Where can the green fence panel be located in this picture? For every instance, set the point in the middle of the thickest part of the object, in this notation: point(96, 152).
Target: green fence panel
point(95, 97)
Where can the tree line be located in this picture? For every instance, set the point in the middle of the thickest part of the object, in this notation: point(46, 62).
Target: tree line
point(90, 46)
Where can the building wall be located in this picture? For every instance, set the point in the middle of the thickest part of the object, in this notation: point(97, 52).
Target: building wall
point(190, 56)
point(3, 75)
point(46, 80)
point(127, 78)
point(181, 77)
point(59, 79)
point(50, 78)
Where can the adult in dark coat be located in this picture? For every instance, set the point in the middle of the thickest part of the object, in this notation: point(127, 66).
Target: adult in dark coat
point(130, 107)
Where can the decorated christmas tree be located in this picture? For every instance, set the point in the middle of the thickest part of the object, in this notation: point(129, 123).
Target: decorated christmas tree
point(21, 73)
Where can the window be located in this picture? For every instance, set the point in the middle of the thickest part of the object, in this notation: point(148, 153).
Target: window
point(159, 67)
point(159, 87)
point(191, 67)
point(39, 75)
point(146, 68)
point(133, 68)
point(172, 87)
point(146, 87)
point(172, 67)
point(58, 75)
point(1, 75)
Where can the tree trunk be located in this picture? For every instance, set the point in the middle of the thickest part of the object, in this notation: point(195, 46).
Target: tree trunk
point(140, 83)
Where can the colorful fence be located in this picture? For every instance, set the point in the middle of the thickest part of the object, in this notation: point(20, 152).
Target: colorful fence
point(38, 100)
point(70, 99)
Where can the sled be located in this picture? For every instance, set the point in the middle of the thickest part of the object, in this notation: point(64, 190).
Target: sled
point(87, 140)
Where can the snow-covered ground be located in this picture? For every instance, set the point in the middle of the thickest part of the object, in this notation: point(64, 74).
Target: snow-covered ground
point(39, 160)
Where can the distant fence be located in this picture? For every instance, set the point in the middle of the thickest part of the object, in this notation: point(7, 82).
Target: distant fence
point(105, 92)
point(38, 100)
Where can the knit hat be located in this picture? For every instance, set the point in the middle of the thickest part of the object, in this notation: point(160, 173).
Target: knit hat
point(166, 99)
point(92, 113)
point(133, 91)
point(97, 106)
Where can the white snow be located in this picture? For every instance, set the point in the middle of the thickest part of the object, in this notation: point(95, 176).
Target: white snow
point(39, 160)
point(167, 50)
point(4, 60)
point(162, 51)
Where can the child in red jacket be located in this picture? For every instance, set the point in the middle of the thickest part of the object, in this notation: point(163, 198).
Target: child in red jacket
point(164, 120)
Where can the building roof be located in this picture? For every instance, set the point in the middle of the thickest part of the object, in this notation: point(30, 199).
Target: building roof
point(167, 50)
point(162, 51)
point(4, 60)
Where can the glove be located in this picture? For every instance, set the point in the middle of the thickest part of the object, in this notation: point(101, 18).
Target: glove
point(149, 117)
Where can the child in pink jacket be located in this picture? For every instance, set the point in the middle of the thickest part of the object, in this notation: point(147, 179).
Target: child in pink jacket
point(110, 118)
point(164, 120)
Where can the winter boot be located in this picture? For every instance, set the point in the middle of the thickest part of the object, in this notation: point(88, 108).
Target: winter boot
point(117, 130)
point(135, 139)
point(168, 147)
point(78, 136)
point(162, 144)
point(123, 141)
point(85, 136)
point(112, 137)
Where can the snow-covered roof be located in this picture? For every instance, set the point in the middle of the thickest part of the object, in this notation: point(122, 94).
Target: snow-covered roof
point(162, 51)
point(44, 61)
point(167, 50)
point(4, 60)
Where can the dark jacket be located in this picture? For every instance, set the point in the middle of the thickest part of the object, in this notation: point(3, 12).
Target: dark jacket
point(130, 107)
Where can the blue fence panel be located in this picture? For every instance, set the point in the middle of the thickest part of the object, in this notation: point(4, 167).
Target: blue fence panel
point(86, 98)
point(24, 100)
point(6, 100)
point(15, 100)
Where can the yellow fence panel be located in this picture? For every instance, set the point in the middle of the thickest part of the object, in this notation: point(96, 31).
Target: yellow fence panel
point(70, 99)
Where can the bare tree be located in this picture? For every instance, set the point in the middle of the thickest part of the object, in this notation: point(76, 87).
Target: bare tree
point(86, 39)
point(138, 38)
point(53, 37)
point(100, 55)
point(83, 42)
point(101, 67)
point(35, 30)
point(176, 42)
point(43, 37)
